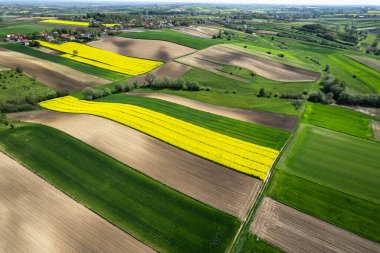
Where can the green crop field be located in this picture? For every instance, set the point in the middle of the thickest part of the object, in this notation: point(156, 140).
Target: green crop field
point(237, 100)
point(260, 135)
point(22, 29)
point(338, 119)
point(251, 243)
point(175, 37)
point(148, 210)
point(345, 163)
point(17, 86)
point(366, 80)
point(232, 93)
point(106, 74)
point(344, 210)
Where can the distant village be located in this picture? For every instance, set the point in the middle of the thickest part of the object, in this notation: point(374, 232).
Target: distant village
point(94, 31)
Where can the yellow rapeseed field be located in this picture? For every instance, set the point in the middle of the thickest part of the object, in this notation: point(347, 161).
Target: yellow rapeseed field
point(74, 23)
point(124, 64)
point(239, 155)
point(65, 22)
point(94, 63)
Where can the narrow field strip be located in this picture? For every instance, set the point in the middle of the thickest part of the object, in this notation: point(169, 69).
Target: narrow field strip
point(71, 23)
point(205, 117)
point(65, 22)
point(37, 217)
point(161, 217)
point(242, 156)
point(128, 65)
point(294, 231)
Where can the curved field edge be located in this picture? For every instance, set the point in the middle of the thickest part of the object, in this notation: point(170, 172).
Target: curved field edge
point(261, 135)
point(85, 68)
point(127, 65)
point(148, 210)
point(241, 156)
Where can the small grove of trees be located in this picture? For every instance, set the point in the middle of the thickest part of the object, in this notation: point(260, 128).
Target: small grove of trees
point(27, 103)
point(89, 93)
point(169, 83)
point(334, 91)
point(6, 122)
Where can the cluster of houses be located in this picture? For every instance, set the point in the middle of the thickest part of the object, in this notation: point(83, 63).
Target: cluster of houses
point(52, 36)
point(17, 38)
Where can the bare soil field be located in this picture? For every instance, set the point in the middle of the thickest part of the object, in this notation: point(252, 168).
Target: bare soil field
point(294, 231)
point(266, 32)
point(280, 121)
point(36, 217)
point(199, 31)
point(196, 177)
point(193, 32)
point(171, 69)
point(209, 66)
point(49, 73)
point(148, 49)
point(224, 55)
point(369, 62)
point(48, 50)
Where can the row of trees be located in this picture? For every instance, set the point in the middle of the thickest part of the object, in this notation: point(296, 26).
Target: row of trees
point(169, 83)
point(27, 103)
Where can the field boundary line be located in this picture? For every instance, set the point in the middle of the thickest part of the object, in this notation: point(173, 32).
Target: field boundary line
point(260, 194)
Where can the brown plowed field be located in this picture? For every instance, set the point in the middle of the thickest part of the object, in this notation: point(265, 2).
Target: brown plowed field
point(280, 121)
point(196, 177)
point(171, 69)
point(294, 231)
point(369, 62)
point(36, 217)
point(49, 73)
point(225, 55)
point(199, 31)
point(148, 49)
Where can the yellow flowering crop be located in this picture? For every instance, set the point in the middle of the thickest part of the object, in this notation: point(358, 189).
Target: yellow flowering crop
point(74, 23)
point(239, 155)
point(94, 63)
point(65, 22)
point(100, 58)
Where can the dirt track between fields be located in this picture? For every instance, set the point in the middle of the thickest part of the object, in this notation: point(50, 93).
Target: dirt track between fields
point(148, 49)
point(369, 62)
point(36, 217)
point(376, 129)
point(281, 121)
point(294, 231)
point(49, 73)
point(226, 55)
point(196, 177)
